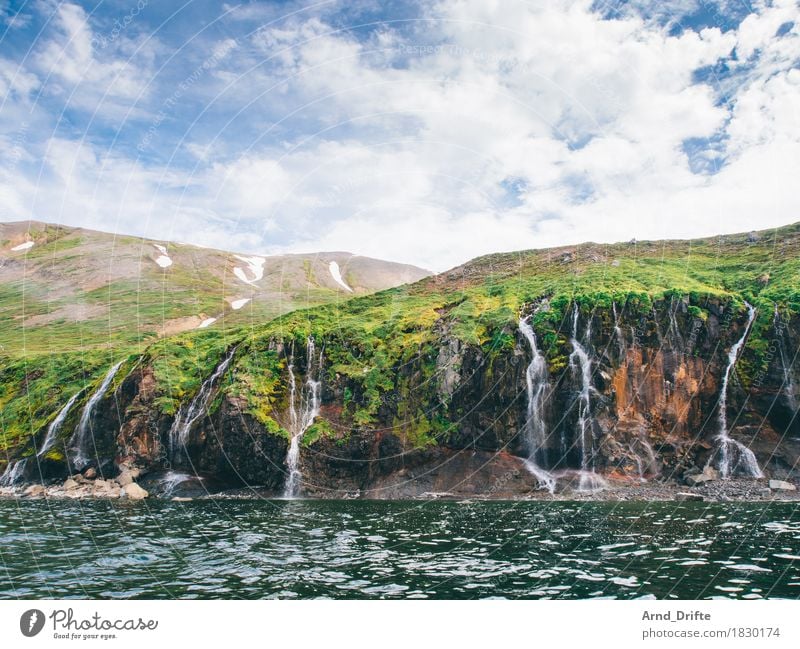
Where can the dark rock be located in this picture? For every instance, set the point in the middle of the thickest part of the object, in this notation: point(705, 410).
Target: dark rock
point(781, 485)
point(688, 497)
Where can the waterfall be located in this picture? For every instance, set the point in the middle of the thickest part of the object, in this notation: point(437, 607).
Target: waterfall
point(618, 332)
point(536, 387)
point(674, 329)
point(55, 425)
point(15, 470)
point(788, 378)
point(726, 445)
point(13, 473)
point(303, 415)
point(580, 364)
point(83, 432)
point(171, 480)
point(649, 456)
point(184, 420)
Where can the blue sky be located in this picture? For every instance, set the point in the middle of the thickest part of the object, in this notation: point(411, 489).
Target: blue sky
point(425, 132)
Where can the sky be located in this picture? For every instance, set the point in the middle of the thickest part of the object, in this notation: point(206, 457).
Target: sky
point(421, 132)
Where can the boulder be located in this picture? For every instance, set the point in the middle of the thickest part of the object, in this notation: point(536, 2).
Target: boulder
point(35, 491)
point(708, 474)
point(105, 489)
point(781, 485)
point(688, 497)
point(133, 491)
point(70, 484)
point(90, 473)
point(129, 469)
point(125, 478)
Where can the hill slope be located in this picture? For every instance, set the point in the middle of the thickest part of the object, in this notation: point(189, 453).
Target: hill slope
point(63, 288)
point(559, 368)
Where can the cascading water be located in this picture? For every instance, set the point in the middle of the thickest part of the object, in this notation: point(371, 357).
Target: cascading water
point(581, 365)
point(300, 418)
point(536, 386)
point(55, 425)
point(618, 331)
point(789, 387)
point(170, 481)
point(647, 464)
point(674, 330)
point(83, 432)
point(744, 458)
point(13, 473)
point(182, 426)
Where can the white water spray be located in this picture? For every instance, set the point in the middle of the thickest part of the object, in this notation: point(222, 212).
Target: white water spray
point(580, 363)
point(182, 426)
point(647, 463)
point(618, 331)
point(674, 330)
point(302, 415)
point(13, 473)
point(744, 458)
point(83, 432)
point(55, 425)
point(536, 387)
point(788, 378)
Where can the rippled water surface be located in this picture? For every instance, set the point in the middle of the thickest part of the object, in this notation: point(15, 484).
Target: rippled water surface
point(349, 549)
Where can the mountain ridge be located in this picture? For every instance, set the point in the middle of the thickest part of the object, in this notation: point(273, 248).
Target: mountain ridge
point(91, 287)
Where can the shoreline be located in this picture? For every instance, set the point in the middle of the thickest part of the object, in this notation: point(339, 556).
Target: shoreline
point(718, 491)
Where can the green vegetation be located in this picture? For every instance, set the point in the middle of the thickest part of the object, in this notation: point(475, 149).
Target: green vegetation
point(33, 390)
point(78, 289)
point(181, 364)
point(383, 348)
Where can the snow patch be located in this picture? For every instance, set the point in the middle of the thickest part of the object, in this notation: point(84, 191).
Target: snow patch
point(163, 259)
point(337, 276)
point(207, 323)
point(256, 267)
point(23, 246)
point(238, 304)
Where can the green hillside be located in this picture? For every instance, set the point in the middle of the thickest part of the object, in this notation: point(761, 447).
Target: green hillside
point(369, 339)
point(66, 289)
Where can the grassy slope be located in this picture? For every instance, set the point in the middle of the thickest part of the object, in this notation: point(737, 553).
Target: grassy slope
point(80, 289)
point(368, 338)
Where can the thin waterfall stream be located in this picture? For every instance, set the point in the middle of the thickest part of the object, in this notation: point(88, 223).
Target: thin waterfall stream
point(302, 414)
point(55, 425)
point(182, 426)
point(581, 365)
point(743, 458)
point(789, 387)
point(535, 430)
point(83, 433)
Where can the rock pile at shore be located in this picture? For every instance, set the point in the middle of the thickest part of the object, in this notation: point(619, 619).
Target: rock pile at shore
point(86, 485)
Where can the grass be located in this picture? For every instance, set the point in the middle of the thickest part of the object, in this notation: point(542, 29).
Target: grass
point(384, 347)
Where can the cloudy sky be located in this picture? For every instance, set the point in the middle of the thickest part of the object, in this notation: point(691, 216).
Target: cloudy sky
point(424, 132)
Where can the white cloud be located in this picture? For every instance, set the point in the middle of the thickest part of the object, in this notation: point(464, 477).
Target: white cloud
point(485, 127)
point(103, 73)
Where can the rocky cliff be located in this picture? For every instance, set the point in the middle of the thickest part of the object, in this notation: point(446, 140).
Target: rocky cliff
point(565, 371)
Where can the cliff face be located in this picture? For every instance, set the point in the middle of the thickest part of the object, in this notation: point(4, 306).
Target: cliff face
point(458, 418)
point(550, 369)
